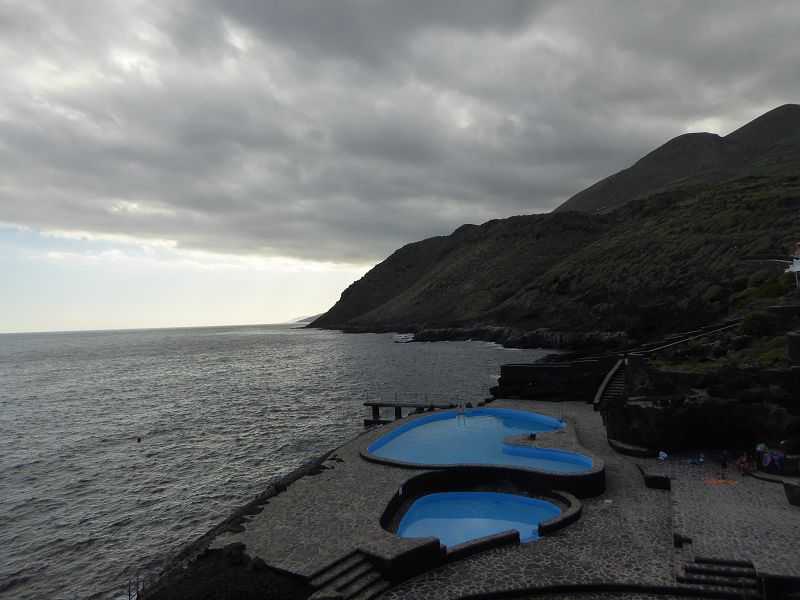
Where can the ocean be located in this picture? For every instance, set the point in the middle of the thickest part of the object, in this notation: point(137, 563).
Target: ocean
point(84, 506)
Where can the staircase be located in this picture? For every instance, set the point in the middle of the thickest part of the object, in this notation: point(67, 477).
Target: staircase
point(613, 387)
point(726, 578)
point(352, 577)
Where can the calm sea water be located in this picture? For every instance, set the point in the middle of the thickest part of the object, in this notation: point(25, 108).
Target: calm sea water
point(219, 411)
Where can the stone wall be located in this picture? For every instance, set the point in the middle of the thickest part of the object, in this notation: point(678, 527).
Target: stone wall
point(680, 423)
point(576, 380)
point(793, 343)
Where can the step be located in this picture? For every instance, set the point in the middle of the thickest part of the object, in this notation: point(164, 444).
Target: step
point(718, 570)
point(349, 575)
point(336, 568)
point(359, 584)
point(724, 562)
point(740, 584)
point(373, 590)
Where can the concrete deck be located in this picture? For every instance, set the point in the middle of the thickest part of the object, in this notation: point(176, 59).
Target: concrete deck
point(624, 537)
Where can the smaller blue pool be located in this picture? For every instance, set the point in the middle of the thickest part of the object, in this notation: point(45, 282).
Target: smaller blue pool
point(458, 517)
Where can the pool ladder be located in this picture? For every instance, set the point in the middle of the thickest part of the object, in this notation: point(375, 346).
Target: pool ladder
point(560, 416)
point(461, 405)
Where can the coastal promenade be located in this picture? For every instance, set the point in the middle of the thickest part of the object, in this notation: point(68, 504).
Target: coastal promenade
point(623, 544)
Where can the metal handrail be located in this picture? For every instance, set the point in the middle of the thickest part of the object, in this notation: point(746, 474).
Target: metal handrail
point(607, 380)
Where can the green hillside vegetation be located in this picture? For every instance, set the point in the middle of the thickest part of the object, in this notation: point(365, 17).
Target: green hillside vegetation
point(658, 260)
point(674, 260)
point(481, 272)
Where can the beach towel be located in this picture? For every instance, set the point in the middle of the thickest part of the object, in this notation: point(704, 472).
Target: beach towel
point(728, 482)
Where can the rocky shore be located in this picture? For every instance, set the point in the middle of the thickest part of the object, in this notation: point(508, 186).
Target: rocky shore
point(511, 337)
point(200, 572)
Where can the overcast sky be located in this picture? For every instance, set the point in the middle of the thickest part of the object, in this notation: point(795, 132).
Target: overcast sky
point(188, 162)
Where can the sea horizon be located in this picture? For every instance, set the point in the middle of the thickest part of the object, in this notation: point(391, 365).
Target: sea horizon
point(157, 328)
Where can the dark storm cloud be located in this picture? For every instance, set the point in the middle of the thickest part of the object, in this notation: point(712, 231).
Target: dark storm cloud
point(342, 130)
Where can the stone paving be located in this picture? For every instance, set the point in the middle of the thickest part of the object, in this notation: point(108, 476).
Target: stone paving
point(750, 520)
point(605, 596)
point(320, 518)
point(624, 537)
point(614, 541)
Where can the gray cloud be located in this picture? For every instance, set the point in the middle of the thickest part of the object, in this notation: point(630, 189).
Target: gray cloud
point(340, 131)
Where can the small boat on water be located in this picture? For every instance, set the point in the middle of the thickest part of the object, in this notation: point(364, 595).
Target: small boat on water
point(403, 338)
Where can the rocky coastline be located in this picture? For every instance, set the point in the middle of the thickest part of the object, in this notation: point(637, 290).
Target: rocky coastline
point(199, 571)
point(509, 337)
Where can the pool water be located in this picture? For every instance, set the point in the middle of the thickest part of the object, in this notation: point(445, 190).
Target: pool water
point(447, 438)
point(458, 517)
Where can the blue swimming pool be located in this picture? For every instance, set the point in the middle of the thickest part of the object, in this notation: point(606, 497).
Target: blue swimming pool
point(447, 438)
point(458, 517)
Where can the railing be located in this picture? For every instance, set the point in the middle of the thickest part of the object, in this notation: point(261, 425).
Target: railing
point(412, 398)
point(691, 336)
point(606, 381)
point(415, 400)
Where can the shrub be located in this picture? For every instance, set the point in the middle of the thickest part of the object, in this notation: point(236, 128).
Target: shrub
point(739, 283)
point(758, 324)
point(758, 278)
point(741, 298)
point(773, 289)
point(712, 294)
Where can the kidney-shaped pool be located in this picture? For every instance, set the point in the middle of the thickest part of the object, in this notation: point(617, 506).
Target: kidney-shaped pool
point(476, 438)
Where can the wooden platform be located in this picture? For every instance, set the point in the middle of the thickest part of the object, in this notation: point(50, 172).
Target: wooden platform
point(398, 405)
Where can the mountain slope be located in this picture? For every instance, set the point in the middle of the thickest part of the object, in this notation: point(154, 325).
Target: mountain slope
point(667, 257)
point(458, 278)
point(675, 259)
point(689, 155)
point(700, 157)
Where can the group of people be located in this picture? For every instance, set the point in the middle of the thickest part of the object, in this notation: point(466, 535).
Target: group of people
point(749, 463)
point(745, 462)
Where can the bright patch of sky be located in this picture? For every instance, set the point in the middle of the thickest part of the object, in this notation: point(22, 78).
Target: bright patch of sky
point(58, 283)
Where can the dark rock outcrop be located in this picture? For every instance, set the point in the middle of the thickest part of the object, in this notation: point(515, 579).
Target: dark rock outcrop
point(731, 407)
point(677, 422)
point(512, 337)
point(793, 343)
